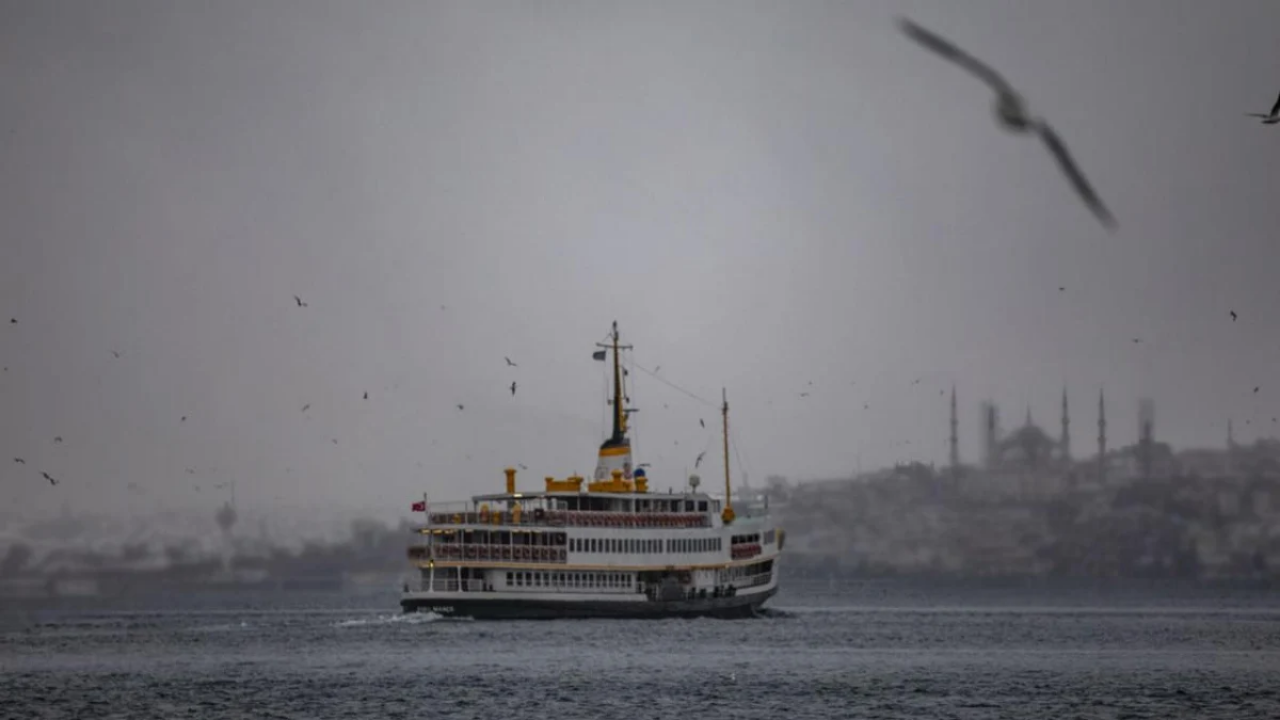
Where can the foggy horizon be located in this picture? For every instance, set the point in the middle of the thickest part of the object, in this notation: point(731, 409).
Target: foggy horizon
point(762, 196)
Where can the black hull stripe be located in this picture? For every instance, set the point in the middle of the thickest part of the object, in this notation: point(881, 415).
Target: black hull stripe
point(481, 608)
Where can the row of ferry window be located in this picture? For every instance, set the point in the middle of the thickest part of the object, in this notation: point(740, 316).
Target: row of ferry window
point(644, 545)
point(559, 579)
point(741, 539)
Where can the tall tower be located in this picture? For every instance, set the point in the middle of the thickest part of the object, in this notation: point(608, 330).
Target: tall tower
point(955, 435)
point(1064, 444)
point(1231, 449)
point(1102, 437)
point(990, 433)
point(1146, 435)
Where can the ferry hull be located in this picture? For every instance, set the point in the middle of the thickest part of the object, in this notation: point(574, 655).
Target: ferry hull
point(478, 607)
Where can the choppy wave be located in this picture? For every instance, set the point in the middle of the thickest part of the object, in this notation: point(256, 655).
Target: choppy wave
point(397, 619)
point(820, 661)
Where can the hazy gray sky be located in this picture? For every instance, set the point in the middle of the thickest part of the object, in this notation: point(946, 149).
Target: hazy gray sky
point(762, 194)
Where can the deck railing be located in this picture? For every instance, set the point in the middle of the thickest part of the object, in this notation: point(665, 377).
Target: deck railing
point(753, 580)
point(443, 585)
point(572, 518)
point(489, 553)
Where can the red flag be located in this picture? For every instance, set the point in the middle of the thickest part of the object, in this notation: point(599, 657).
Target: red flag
point(420, 506)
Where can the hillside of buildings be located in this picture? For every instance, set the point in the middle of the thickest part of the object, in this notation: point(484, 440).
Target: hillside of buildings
point(1029, 509)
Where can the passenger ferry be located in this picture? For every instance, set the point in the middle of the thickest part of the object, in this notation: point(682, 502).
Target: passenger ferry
point(606, 548)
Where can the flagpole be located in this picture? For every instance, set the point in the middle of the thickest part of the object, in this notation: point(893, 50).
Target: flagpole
point(431, 545)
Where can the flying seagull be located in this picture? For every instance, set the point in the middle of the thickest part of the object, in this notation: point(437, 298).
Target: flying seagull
point(1233, 316)
point(460, 406)
point(513, 387)
point(52, 481)
point(509, 363)
point(1011, 111)
point(702, 422)
point(366, 396)
point(20, 461)
point(306, 407)
point(299, 301)
point(57, 439)
point(1270, 118)
point(698, 461)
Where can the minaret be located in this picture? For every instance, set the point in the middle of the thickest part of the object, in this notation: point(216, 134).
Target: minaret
point(1146, 435)
point(1102, 437)
point(1065, 443)
point(955, 439)
point(1231, 449)
point(990, 431)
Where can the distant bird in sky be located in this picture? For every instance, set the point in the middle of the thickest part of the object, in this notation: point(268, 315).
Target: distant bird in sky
point(52, 481)
point(522, 466)
point(20, 461)
point(1011, 111)
point(1137, 340)
point(57, 440)
point(115, 354)
point(306, 407)
point(1233, 316)
point(698, 460)
point(460, 406)
point(509, 363)
point(655, 370)
point(916, 381)
point(805, 394)
point(702, 422)
point(13, 321)
point(1272, 117)
point(1062, 288)
point(184, 419)
point(513, 388)
point(299, 301)
point(1256, 389)
point(366, 396)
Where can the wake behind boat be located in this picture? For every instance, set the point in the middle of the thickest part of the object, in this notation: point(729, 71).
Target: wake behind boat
point(605, 548)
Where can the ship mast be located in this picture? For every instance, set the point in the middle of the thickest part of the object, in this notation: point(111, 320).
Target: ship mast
point(619, 419)
point(727, 514)
point(615, 453)
point(619, 414)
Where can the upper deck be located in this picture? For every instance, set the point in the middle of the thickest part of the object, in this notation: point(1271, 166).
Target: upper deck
point(559, 509)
